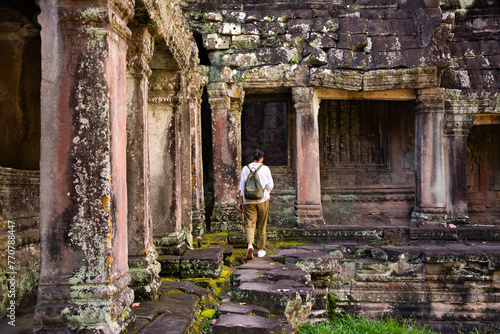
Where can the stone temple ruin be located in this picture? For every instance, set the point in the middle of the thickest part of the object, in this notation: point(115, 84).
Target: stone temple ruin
point(124, 125)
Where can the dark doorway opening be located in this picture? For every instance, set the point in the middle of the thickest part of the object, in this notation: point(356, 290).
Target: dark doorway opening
point(264, 125)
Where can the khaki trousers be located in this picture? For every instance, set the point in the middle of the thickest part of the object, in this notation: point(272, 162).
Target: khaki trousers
point(256, 221)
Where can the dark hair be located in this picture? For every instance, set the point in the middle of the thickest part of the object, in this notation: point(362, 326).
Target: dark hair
point(257, 154)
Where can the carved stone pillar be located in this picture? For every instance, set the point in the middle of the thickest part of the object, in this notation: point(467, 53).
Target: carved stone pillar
point(226, 129)
point(308, 210)
point(83, 283)
point(198, 81)
point(144, 269)
point(430, 192)
point(456, 130)
point(164, 153)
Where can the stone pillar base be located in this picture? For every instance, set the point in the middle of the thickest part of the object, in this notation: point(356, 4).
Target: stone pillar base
point(144, 272)
point(172, 244)
point(199, 227)
point(308, 215)
point(226, 218)
point(462, 221)
point(95, 308)
point(428, 217)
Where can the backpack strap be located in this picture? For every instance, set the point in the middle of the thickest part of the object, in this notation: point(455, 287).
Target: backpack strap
point(255, 170)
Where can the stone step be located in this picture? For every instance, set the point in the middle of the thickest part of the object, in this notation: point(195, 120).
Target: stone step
point(282, 289)
point(205, 262)
point(243, 308)
point(172, 313)
point(248, 324)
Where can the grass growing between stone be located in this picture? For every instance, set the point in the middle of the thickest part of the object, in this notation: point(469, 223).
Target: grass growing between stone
point(348, 324)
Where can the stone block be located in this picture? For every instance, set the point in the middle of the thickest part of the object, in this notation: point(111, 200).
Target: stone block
point(353, 25)
point(246, 41)
point(231, 28)
point(170, 265)
point(251, 324)
point(297, 40)
point(170, 324)
point(315, 57)
point(305, 14)
point(325, 24)
point(172, 303)
point(340, 58)
point(201, 263)
point(300, 26)
point(275, 297)
point(315, 263)
point(284, 16)
point(243, 309)
point(216, 42)
point(321, 41)
point(269, 29)
point(250, 29)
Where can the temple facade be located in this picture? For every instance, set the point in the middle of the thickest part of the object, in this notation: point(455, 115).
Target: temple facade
point(125, 125)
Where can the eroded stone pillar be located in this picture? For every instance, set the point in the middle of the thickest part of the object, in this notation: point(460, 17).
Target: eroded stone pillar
point(144, 269)
point(456, 130)
point(308, 211)
point(197, 82)
point(430, 192)
point(185, 127)
point(226, 130)
point(83, 283)
point(164, 153)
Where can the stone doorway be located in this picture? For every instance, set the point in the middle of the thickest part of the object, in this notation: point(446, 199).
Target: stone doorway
point(367, 151)
point(268, 123)
point(483, 174)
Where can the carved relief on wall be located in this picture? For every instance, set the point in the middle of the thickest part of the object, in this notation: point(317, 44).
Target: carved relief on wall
point(483, 173)
point(353, 134)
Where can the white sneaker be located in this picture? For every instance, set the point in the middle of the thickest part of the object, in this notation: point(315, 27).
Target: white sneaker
point(250, 253)
point(261, 253)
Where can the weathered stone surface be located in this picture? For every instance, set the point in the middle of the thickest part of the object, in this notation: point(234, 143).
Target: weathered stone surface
point(173, 304)
point(315, 57)
point(244, 309)
point(216, 42)
point(201, 263)
point(246, 41)
point(166, 323)
point(252, 324)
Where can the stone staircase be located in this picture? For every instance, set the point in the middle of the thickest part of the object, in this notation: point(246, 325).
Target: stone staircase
point(265, 296)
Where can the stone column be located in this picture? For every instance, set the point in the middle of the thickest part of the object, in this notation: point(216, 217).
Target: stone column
point(456, 130)
point(198, 81)
point(83, 282)
point(308, 211)
point(226, 129)
point(144, 269)
point(185, 157)
point(430, 192)
point(164, 160)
